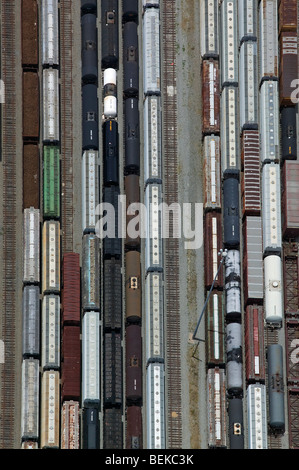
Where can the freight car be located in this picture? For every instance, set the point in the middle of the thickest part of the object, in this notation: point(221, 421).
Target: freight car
point(89, 6)
point(50, 410)
point(289, 196)
point(70, 425)
point(247, 14)
point(49, 33)
point(31, 273)
point(211, 96)
point(29, 18)
point(151, 51)
point(31, 180)
point(156, 438)
point(234, 367)
point(110, 153)
point(31, 322)
point(30, 106)
point(51, 257)
point(133, 427)
point(212, 173)
point(90, 272)
point(209, 27)
point(51, 182)
point(215, 330)
point(113, 429)
point(257, 416)
point(130, 10)
point(216, 399)
point(109, 30)
point(152, 139)
point(90, 189)
point(90, 138)
point(253, 285)
point(51, 130)
point(109, 94)
point(91, 428)
point(273, 290)
point(233, 300)
point(288, 67)
point(30, 400)
point(229, 126)
point(91, 359)
point(112, 244)
point(154, 317)
point(133, 365)
point(132, 136)
point(287, 14)
point(254, 344)
point(231, 232)
point(268, 34)
point(89, 52)
point(70, 363)
point(271, 205)
point(153, 241)
point(132, 192)
point(229, 43)
point(112, 369)
point(112, 294)
point(269, 122)
point(250, 180)
point(276, 387)
point(130, 59)
point(51, 332)
point(71, 289)
point(232, 266)
point(248, 94)
point(212, 246)
point(133, 286)
point(288, 133)
point(151, 3)
point(236, 427)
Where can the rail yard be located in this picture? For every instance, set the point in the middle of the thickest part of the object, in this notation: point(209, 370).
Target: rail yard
point(135, 340)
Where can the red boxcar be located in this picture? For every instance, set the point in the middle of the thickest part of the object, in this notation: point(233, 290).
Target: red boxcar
point(250, 180)
point(30, 176)
point(210, 97)
point(212, 245)
point(254, 344)
point(287, 12)
point(70, 363)
point(29, 33)
point(288, 67)
point(30, 106)
point(290, 199)
point(133, 364)
point(71, 289)
point(134, 428)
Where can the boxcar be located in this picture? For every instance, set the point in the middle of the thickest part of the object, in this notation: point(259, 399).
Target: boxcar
point(288, 133)
point(212, 245)
point(235, 426)
point(229, 42)
point(257, 416)
point(132, 192)
point(234, 367)
point(211, 96)
point(29, 18)
point(31, 178)
point(248, 94)
point(90, 137)
point(90, 189)
point(288, 67)
point(254, 344)
point(112, 294)
point(51, 130)
point(71, 288)
point(89, 52)
point(110, 153)
point(154, 317)
point(91, 428)
point(31, 245)
point(212, 173)
point(215, 331)
point(51, 332)
point(155, 397)
point(109, 39)
point(50, 33)
point(30, 106)
point(51, 257)
point(130, 59)
point(50, 410)
point(287, 14)
point(51, 182)
point(31, 322)
point(133, 286)
point(248, 21)
point(276, 387)
point(153, 240)
point(70, 363)
point(273, 290)
point(152, 139)
point(70, 425)
point(134, 427)
point(90, 272)
point(231, 232)
point(250, 179)
point(112, 373)
point(229, 127)
point(90, 358)
point(30, 399)
point(151, 51)
point(112, 243)
point(130, 10)
point(132, 136)
point(271, 205)
point(216, 401)
point(110, 93)
point(113, 429)
point(289, 196)
point(209, 27)
point(133, 365)
point(268, 34)
point(253, 285)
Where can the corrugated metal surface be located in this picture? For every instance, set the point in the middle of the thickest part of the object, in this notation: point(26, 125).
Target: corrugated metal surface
point(209, 27)
point(216, 401)
point(257, 417)
point(31, 321)
point(70, 363)
point(287, 12)
point(248, 14)
point(91, 358)
point(271, 207)
point(212, 245)
point(133, 285)
point(50, 105)
point(254, 344)
point(290, 199)
point(211, 96)
point(70, 425)
point(212, 172)
point(51, 182)
point(30, 399)
point(153, 240)
point(253, 259)
point(71, 288)
point(229, 65)
point(229, 128)
point(51, 332)
point(51, 256)
point(30, 105)
point(273, 289)
point(156, 438)
point(152, 138)
point(268, 33)
point(215, 331)
point(112, 293)
point(151, 51)
point(250, 179)
point(288, 67)
point(49, 25)
point(50, 410)
point(269, 121)
point(113, 378)
point(154, 308)
point(90, 272)
point(113, 429)
point(90, 189)
point(29, 19)
point(30, 176)
point(31, 245)
point(248, 96)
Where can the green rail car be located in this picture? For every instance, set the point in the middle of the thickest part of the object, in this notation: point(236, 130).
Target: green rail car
point(51, 182)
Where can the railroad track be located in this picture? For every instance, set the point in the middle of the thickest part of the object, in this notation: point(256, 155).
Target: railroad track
point(66, 102)
point(8, 313)
point(170, 180)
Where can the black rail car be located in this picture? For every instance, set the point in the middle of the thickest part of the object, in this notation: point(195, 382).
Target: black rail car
point(276, 387)
point(88, 6)
point(288, 133)
point(110, 153)
point(130, 59)
point(90, 138)
point(112, 294)
point(110, 46)
point(236, 427)
point(133, 365)
point(112, 369)
point(91, 428)
point(89, 51)
point(132, 191)
point(130, 10)
point(132, 136)
point(231, 211)
point(112, 243)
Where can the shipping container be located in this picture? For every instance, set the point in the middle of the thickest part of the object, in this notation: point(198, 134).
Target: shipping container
point(30, 106)
point(152, 139)
point(70, 363)
point(113, 429)
point(109, 230)
point(133, 286)
point(51, 257)
point(271, 208)
point(248, 95)
point(109, 36)
point(216, 402)
point(268, 43)
point(90, 189)
point(50, 410)
point(211, 96)
point(51, 130)
point(70, 425)
point(151, 52)
point(71, 313)
point(250, 176)
point(248, 19)
point(91, 358)
point(50, 32)
point(132, 136)
point(257, 416)
point(288, 67)
point(269, 122)
point(51, 332)
point(229, 54)
point(212, 245)
point(287, 13)
point(155, 406)
point(253, 285)
point(130, 59)
point(112, 373)
point(276, 387)
point(290, 199)
point(215, 330)
point(154, 317)
point(254, 344)
point(212, 173)
point(134, 428)
point(132, 191)
point(112, 294)
point(209, 27)
point(29, 17)
point(31, 244)
point(31, 179)
point(154, 238)
point(273, 297)
point(229, 128)
point(133, 364)
point(31, 322)
point(30, 399)
point(89, 50)
point(90, 272)
point(51, 182)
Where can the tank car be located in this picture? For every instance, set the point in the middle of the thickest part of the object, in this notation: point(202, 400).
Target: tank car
point(132, 191)
point(232, 265)
point(288, 133)
point(110, 152)
point(273, 290)
point(110, 93)
point(90, 138)
point(91, 428)
point(89, 6)
point(233, 300)
point(234, 359)
point(130, 10)
point(133, 364)
point(154, 312)
point(134, 428)
point(132, 136)
point(156, 438)
point(236, 427)
point(89, 48)
point(231, 232)
point(151, 52)
point(130, 59)
point(276, 387)
point(110, 46)
point(133, 286)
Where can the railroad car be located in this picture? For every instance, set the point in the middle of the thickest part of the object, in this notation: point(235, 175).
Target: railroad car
point(233, 300)
point(215, 331)
point(153, 240)
point(31, 180)
point(71, 289)
point(273, 290)
point(90, 190)
point(70, 363)
point(271, 206)
point(51, 182)
point(112, 373)
point(130, 10)
point(234, 366)
point(290, 275)
point(133, 365)
point(133, 286)
point(253, 285)
point(130, 59)
point(132, 192)
point(30, 106)
point(29, 19)
point(229, 63)
point(151, 3)
point(268, 39)
point(89, 50)
point(216, 400)
point(91, 359)
point(156, 438)
point(50, 410)
point(288, 67)
point(51, 257)
point(250, 177)
point(254, 344)
point(231, 232)
point(257, 416)
point(151, 52)
point(31, 322)
point(70, 425)
point(51, 130)
point(232, 266)
point(90, 274)
point(229, 126)
point(248, 94)
point(212, 173)
point(50, 33)
point(276, 387)
point(248, 20)
point(154, 317)
point(31, 245)
point(110, 93)
point(89, 6)
point(288, 133)
point(109, 30)
point(287, 15)
point(112, 244)
point(289, 199)
point(269, 122)
point(110, 153)
point(134, 427)
point(91, 427)
point(211, 96)
point(112, 294)
point(30, 400)
point(90, 138)
point(50, 333)
point(113, 429)
point(209, 27)
point(212, 245)
point(235, 425)
point(132, 136)
point(291, 345)
point(152, 139)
